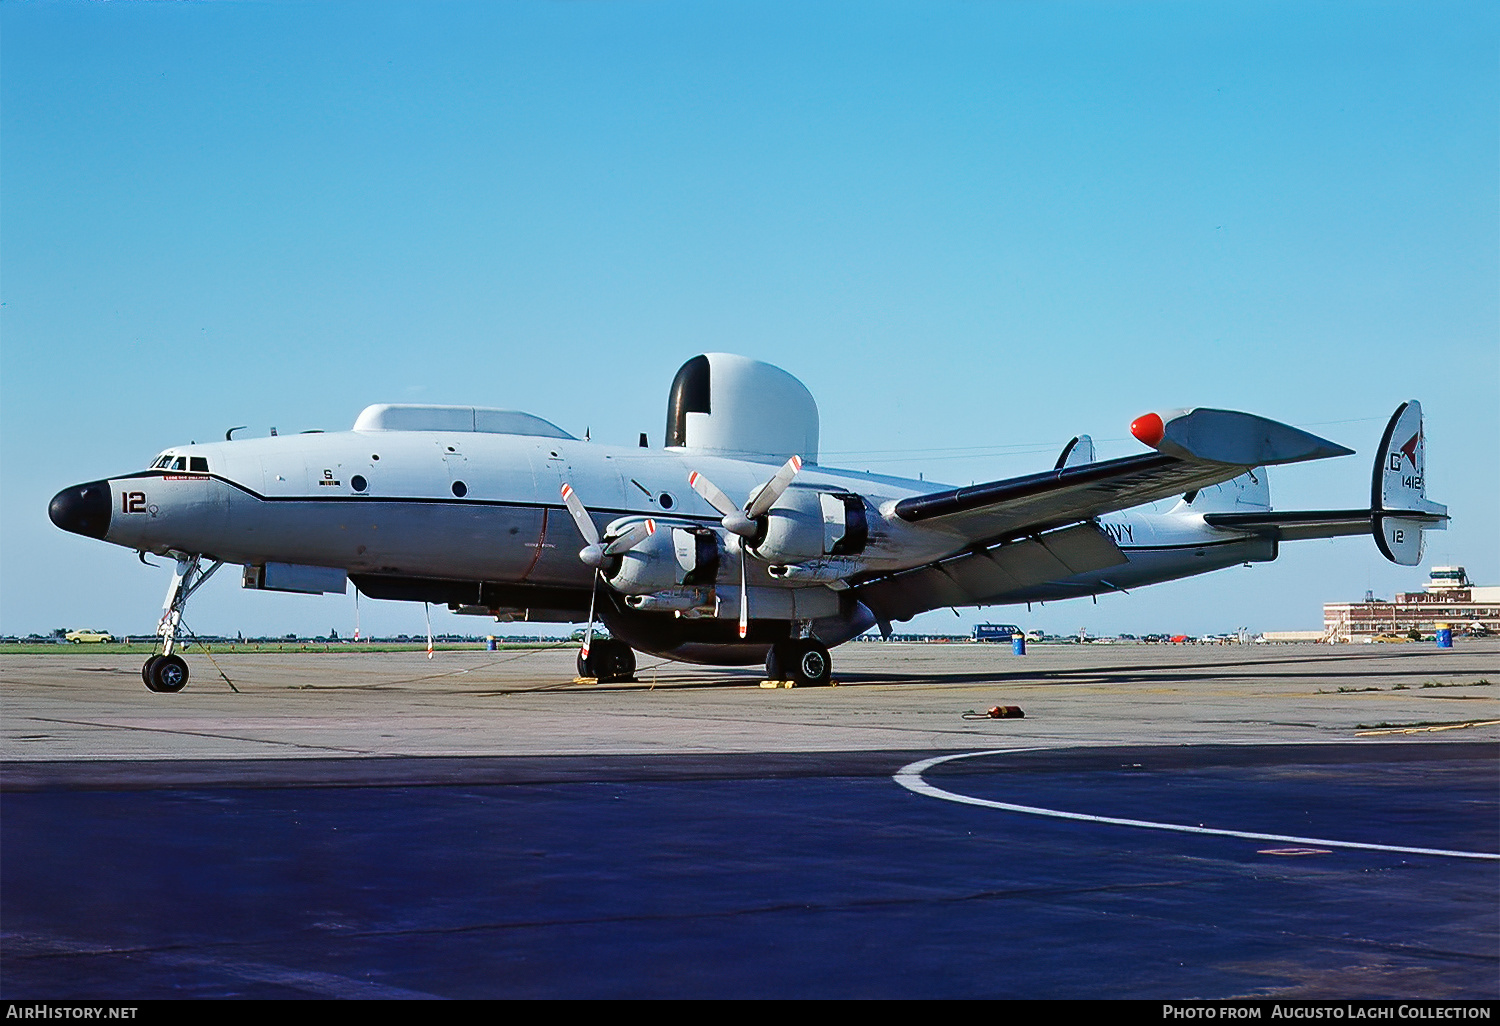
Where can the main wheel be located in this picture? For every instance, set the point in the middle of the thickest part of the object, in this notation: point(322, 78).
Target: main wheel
point(609, 661)
point(810, 664)
point(777, 661)
point(169, 674)
point(621, 662)
point(146, 668)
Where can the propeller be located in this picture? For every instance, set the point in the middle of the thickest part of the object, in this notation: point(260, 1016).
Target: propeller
point(749, 522)
point(596, 552)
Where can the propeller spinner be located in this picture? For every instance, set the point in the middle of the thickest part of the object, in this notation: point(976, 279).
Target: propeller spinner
point(748, 523)
point(596, 552)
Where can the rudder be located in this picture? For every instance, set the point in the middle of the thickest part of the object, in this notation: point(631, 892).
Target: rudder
point(1402, 513)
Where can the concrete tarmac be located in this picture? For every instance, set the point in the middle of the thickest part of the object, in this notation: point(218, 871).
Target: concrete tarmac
point(890, 696)
point(1165, 822)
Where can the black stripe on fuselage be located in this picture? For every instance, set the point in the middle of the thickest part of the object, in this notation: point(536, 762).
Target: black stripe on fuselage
point(439, 500)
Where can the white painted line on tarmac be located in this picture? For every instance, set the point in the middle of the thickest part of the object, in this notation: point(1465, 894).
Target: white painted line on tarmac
point(910, 777)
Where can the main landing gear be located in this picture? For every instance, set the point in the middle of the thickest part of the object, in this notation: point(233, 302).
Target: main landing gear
point(608, 662)
point(803, 661)
point(167, 673)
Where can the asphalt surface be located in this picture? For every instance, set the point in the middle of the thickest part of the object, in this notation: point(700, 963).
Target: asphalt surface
point(352, 826)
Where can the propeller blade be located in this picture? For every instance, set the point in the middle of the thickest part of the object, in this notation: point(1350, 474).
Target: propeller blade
point(580, 515)
point(761, 503)
point(588, 634)
point(712, 494)
point(744, 595)
point(639, 533)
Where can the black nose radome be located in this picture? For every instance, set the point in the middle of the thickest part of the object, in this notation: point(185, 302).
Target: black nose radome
point(83, 509)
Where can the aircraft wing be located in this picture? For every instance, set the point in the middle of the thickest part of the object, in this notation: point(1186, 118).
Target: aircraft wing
point(1195, 449)
point(1017, 532)
point(1026, 505)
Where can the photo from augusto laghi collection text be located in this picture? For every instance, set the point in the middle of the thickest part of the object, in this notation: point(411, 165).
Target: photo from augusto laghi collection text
point(1329, 1010)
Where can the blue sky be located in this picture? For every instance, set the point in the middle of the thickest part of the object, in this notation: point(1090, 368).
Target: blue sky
point(972, 229)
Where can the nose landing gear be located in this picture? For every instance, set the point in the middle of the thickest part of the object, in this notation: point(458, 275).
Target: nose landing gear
point(167, 673)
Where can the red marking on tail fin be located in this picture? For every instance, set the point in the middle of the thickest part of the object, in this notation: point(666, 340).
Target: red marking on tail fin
point(1409, 450)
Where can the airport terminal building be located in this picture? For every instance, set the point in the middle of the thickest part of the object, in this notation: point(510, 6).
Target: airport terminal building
point(1449, 597)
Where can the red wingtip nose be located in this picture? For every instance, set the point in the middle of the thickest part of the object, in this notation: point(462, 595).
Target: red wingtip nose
point(1148, 428)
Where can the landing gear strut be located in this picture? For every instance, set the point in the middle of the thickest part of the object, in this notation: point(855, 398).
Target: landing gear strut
point(167, 673)
point(609, 662)
point(803, 661)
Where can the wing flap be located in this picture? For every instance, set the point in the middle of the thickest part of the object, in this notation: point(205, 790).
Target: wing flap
point(978, 576)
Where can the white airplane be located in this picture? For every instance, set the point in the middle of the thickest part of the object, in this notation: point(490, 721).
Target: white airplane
point(730, 545)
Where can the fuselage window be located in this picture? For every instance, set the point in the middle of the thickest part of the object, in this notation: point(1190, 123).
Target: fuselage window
point(198, 464)
point(358, 483)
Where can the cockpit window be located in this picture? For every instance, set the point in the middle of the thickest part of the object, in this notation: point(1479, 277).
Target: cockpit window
point(171, 461)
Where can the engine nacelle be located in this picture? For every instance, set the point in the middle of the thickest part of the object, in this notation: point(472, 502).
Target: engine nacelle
point(806, 525)
point(677, 555)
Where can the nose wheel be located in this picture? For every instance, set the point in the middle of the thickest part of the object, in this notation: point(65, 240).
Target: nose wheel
point(804, 661)
point(165, 674)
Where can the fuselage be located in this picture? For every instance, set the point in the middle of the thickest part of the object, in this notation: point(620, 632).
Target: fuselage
point(470, 505)
point(460, 505)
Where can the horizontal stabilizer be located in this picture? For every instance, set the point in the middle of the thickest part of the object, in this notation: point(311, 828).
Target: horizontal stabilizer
point(1296, 525)
point(1399, 512)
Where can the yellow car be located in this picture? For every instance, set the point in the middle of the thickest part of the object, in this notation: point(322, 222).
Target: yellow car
point(87, 637)
point(1394, 639)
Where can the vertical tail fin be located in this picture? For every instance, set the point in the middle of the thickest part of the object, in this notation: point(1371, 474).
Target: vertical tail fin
point(1401, 511)
point(1248, 493)
point(1076, 453)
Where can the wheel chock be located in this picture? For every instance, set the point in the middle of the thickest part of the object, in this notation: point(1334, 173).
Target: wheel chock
point(998, 712)
point(778, 683)
point(585, 680)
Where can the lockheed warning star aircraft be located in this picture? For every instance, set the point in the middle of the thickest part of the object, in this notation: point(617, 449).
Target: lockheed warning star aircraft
point(731, 544)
